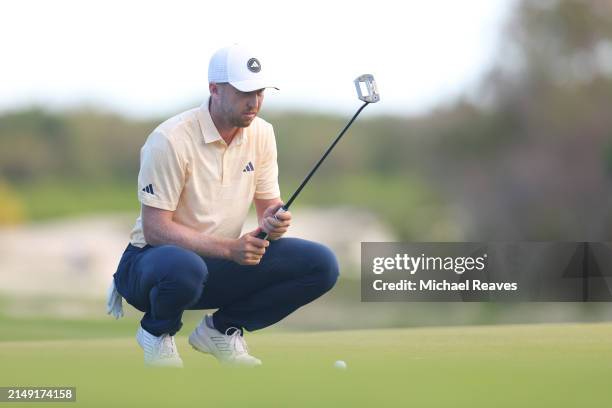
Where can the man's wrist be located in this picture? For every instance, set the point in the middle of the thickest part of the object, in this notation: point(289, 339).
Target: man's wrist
point(226, 248)
point(215, 247)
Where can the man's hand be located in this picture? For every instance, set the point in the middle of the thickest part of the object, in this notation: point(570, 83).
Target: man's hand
point(248, 249)
point(277, 225)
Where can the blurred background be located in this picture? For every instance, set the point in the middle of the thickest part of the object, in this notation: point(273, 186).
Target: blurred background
point(494, 125)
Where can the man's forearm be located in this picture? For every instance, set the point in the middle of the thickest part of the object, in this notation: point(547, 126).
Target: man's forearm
point(262, 204)
point(174, 233)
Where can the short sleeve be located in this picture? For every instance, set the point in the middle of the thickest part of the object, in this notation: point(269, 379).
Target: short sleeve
point(267, 175)
point(162, 174)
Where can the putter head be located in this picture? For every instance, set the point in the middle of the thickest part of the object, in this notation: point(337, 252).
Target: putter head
point(366, 88)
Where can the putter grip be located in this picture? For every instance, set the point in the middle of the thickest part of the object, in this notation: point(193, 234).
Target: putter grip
point(263, 234)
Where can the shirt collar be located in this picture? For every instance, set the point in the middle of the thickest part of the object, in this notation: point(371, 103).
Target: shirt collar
point(209, 130)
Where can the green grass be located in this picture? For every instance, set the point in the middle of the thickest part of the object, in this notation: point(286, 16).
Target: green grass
point(16, 329)
point(47, 200)
point(488, 366)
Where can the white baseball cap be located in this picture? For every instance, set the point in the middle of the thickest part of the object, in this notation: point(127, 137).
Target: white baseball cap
point(240, 67)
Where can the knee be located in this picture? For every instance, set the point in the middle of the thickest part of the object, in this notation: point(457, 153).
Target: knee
point(325, 267)
point(186, 269)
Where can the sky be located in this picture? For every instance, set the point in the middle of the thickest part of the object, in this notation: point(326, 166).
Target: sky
point(150, 58)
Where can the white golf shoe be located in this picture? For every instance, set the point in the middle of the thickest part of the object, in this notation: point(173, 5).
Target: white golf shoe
point(158, 351)
point(227, 348)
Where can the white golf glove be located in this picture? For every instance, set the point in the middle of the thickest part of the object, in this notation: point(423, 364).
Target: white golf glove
point(114, 306)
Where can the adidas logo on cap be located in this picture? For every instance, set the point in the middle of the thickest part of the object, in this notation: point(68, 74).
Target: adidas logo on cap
point(253, 65)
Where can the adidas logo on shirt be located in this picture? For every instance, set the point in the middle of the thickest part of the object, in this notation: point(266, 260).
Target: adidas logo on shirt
point(249, 167)
point(149, 189)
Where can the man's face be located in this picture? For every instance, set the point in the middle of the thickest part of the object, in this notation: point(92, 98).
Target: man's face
point(238, 108)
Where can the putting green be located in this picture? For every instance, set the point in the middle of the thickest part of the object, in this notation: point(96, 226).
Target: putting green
point(565, 365)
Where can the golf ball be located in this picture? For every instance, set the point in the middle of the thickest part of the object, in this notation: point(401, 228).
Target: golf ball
point(340, 365)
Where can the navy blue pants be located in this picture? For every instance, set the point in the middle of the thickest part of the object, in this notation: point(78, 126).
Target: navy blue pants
point(166, 280)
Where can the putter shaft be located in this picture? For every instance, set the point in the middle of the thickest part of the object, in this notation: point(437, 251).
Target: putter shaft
point(263, 234)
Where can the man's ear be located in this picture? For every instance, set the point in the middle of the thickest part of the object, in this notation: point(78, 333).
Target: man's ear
point(213, 88)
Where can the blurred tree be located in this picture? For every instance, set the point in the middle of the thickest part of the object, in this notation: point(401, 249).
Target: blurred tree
point(74, 146)
point(526, 157)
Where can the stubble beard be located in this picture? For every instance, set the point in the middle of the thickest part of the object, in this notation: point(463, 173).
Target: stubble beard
point(239, 122)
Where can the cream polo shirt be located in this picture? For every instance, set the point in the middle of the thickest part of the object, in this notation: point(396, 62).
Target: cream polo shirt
point(186, 167)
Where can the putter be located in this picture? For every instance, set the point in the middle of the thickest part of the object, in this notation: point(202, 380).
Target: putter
point(368, 93)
